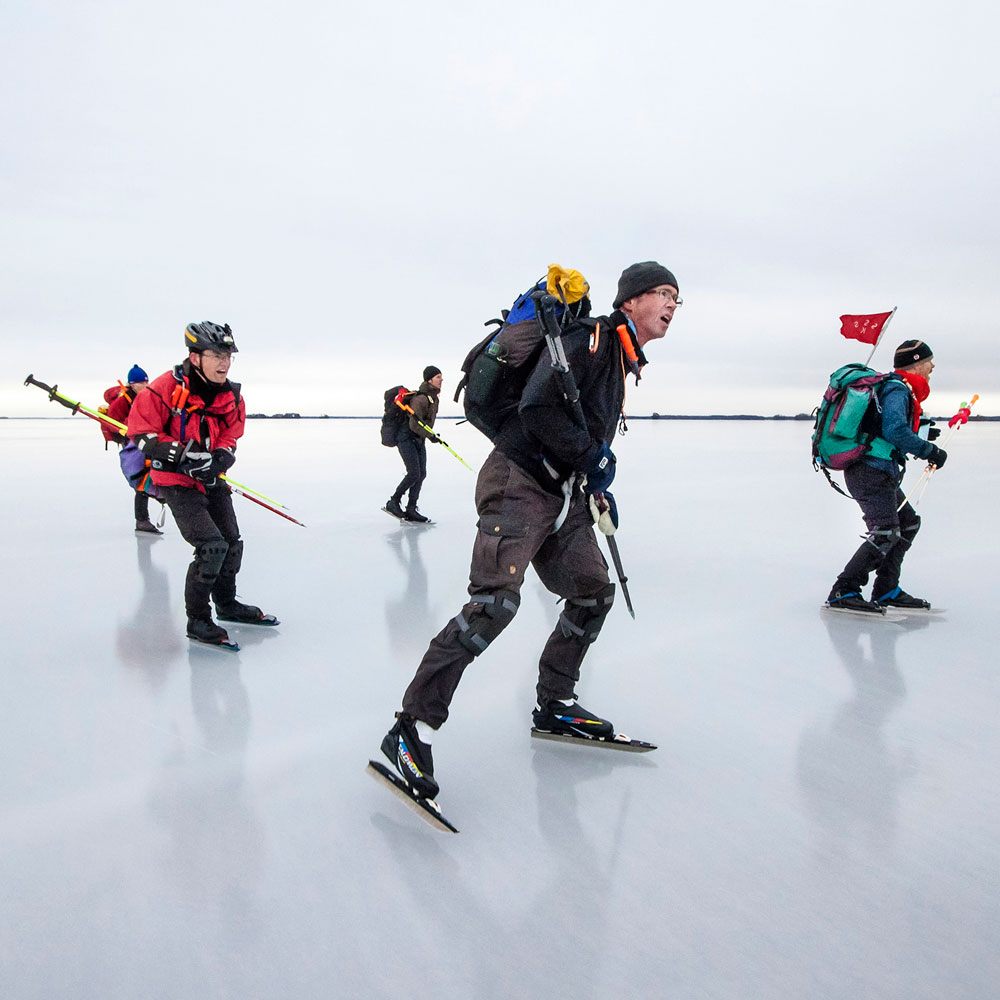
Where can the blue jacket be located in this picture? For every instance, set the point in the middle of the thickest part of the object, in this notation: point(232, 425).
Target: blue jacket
point(897, 428)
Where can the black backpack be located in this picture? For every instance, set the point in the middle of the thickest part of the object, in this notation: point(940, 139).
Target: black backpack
point(393, 416)
point(497, 368)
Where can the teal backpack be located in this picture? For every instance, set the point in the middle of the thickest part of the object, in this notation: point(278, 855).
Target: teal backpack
point(848, 420)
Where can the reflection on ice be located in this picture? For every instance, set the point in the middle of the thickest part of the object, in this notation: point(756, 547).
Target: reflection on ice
point(818, 820)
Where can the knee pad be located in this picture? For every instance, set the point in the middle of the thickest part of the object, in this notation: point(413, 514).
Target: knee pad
point(233, 559)
point(484, 624)
point(583, 617)
point(883, 539)
point(208, 559)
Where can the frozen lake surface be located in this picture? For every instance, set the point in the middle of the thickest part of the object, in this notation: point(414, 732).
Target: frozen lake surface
point(820, 819)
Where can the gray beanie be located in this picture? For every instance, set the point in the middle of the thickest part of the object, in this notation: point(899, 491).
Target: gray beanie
point(639, 278)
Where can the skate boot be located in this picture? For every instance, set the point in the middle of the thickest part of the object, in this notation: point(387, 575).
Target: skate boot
point(146, 526)
point(897, 598)
point(415, 517)
point(568, 717)
point(410, 756)
point(851, 600)
point(205, 630)
point(244, 614)
point(392, 507)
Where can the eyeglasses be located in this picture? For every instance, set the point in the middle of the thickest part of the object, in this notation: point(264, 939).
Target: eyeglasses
point(667, 296)
point(218, 355)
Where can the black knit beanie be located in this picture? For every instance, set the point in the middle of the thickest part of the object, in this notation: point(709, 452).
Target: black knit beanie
point(639, 278)
point(910, 352)
point(430, 371)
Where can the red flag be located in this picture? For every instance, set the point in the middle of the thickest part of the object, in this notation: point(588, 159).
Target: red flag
point(867, 329)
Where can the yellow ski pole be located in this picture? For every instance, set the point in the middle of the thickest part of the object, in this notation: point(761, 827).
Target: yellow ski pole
point(72, 404)
point(441, 440)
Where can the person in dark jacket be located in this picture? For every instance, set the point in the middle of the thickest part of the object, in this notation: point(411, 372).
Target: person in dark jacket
point(119, 399)
point(538, 495)
point(411, 440)
point(188, 423)
point(874, 482)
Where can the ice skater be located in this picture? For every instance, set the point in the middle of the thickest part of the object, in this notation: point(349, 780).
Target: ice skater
point(188, 423)
point(534, 499)
point(411, 441)
point(874, 482)
point(119, 399)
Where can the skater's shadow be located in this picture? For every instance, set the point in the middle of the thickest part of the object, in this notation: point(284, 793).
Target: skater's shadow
point(214, 853)
point(849, 775)
point(148, 640)
point(406, 606)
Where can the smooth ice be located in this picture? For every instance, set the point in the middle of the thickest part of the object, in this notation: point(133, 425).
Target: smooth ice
point(820, 819)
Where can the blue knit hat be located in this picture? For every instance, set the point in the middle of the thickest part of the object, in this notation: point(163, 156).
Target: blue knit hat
point(136, 374)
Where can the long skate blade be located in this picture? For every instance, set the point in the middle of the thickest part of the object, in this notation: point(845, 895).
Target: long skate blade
point(617, 742)
point(229, 646)
point(875, 616)
point(267, 621)
point(395, 517)
point(427, 809)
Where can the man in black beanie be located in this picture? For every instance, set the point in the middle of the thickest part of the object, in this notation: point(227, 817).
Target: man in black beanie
point(873, 480)
point(538, 495)
point(411, 440)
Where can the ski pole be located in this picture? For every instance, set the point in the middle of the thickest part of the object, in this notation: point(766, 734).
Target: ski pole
point(925, 477)
point(72, 404)
point(266, 506)
point(441, 440)
point(622, 578)
point(246, 489)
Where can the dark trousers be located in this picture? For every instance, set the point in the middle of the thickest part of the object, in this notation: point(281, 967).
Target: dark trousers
point(413, 451)
point(516, 518)
point(142, 506)
point(890, 531)
point(207, 522)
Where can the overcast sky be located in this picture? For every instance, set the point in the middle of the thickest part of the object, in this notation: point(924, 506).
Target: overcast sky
point(356, 188)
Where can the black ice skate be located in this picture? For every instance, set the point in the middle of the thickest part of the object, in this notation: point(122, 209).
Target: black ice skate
point(897, 598)
point(147, 527)
point(851, 602)
point(243, 614)
point(393, 509)
point(206, 631)
point(572, 720)
point(410, 756)
point(573, 724)
point(411, 777)
point(413, 516)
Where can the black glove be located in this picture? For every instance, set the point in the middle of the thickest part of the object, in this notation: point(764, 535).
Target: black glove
point(933, 433)
point(604, 511)
point(223, 460)
point(601, 471)
point(937, 457)
point(163, 455)
point(197, 465)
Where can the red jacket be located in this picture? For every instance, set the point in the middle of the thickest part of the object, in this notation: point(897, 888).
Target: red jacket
point(171, 411)
point(119, 402)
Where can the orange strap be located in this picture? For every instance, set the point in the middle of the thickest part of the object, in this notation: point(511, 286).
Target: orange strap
point(623, 336)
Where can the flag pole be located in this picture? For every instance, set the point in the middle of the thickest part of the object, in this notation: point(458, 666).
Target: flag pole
point(879, 338)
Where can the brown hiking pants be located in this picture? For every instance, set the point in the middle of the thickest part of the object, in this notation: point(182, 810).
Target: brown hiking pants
point(516, 518)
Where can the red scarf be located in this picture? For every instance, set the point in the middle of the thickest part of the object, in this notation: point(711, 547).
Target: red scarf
point(919, 390)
